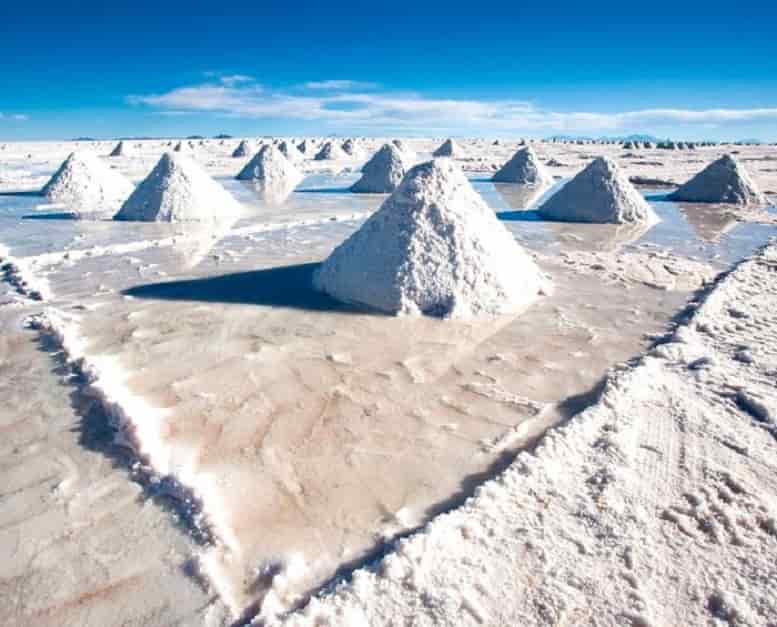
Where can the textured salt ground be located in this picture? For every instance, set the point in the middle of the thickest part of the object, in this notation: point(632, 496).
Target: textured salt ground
point(226, 260)
point(656, 506)
point(79, 544)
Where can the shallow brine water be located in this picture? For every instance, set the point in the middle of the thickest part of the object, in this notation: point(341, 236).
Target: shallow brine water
point(312, 432)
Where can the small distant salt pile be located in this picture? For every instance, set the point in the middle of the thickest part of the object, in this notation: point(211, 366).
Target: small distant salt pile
point(178, 190)
point(407, 152)
point(120, 150)
point(600, 193)
point(433, 247)
point(330, 151)
point(305, 146)
point(181, 147)
point(289, 150)
point(271, 168)
point(243, 150)
point(448, 148)
point(722, 181)
point(351, 148)
point(382, 173)
point(84, 182)
point(525, 168)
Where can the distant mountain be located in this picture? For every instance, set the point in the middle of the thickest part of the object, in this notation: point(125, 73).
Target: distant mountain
point(622, 138)
point(222, 136)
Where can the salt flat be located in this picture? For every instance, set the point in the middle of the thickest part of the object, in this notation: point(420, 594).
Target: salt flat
point(308, 435)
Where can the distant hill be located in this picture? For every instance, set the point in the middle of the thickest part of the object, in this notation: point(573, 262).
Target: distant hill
point(622, 138)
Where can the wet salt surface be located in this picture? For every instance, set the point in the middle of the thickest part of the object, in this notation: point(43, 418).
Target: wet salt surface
point(314, 433)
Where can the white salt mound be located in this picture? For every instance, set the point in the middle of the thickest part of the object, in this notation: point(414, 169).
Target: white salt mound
point(84, 180)
point(270, 167)
point(448, 148)
point(601, 193)
point(330, 151)
point(404, 149)
point(433, 247)
point(120, 150)
point(243, 149)
point(181, 147)
point(178, 190)
point(382, 173)
point(722, 181)
point(525, 168)
point(289, 150)
point(350, 148)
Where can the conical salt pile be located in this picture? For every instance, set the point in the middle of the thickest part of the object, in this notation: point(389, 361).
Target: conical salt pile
point(84, 181)
point(271, 168)
point(382, 173)
point(120, 150)
point(178, 190)
point(448, 148)
point(330, 151)
point(433, 247)
point(351, 148)
point(305, 146)
point(600, 193)
point(722, 181)
point(524, 168)
point(181, 147)
point(289, 150)
point(243, 150)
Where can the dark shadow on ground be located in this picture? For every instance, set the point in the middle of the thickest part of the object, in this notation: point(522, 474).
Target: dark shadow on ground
point(324, 190)
point(528, 215)
point(62, 215)
point(28, 193)
point(287, 286)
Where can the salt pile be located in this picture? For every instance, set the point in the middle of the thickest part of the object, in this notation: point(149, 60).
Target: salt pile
point(722, 181)
point(600, 193)
point(120, 150)
point(181, 147)
point(83, 180)
point(382, 173)
point(433, 247)
point(289, 150)
point(178, 190)
point(330, 151)
point(270, 168)
point(243, 149)
point(524, 168)
point(350, 148)
point(448, 148)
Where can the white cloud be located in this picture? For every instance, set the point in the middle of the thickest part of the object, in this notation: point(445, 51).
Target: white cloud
point(414, 112)
point(339, 84)
point(235, 79)
point(19, 117)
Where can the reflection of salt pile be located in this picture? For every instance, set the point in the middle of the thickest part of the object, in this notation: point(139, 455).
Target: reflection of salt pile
point(84, 181)
point(448, 148)
point(600, 193)
point(330, 151)
point(178, 190)
point(289, 151)
point(722, 181)
point(120, 150)
point(433, 247)
point(243, 149)
point(382, 173)
point(524, 168)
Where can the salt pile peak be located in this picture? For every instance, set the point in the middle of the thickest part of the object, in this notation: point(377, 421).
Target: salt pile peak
point(84, 180)
point(178, 190)
point(433, 247)
point(270, 167)
point(600, 193)
point(722, 181)
point(243, 149)
point(382, 173)
point(120, 150)
point(448, 148)
point(525, 168)
point(330, 151)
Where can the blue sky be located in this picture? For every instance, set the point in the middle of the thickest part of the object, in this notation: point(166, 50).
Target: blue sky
point(683, 68)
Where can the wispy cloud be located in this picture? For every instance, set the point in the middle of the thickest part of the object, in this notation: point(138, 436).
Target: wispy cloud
point(19, 117)
point(339, 84)
point(341, 106)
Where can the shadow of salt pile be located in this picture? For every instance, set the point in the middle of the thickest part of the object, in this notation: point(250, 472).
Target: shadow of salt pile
point(286, 286)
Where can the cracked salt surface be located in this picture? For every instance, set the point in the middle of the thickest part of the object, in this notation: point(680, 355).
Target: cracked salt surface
point(313, 433)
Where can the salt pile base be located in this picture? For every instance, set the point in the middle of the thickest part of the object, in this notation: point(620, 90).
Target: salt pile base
point(178, 190)
point(601, 193)
point(722, 181)
point(382, 173)
point(85, 181)
point(433, 247)
point(524, 168)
